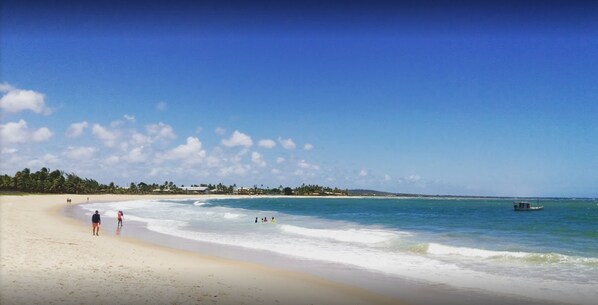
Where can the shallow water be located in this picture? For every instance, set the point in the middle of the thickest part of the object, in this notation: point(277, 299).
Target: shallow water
point(464, 243)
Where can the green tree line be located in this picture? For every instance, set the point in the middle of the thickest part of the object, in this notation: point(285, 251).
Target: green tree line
point(60, 182)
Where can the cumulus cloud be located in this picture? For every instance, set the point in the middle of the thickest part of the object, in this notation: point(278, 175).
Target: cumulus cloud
point(79, 153)
point(5, 87)
point(18, 132)
point(161, 106)
point(107, 136)
point(190, 152)
point(44, 160)
point(42, 134)
point(76, 129)
point(280, 160)
point(130, 118)
point(257, 159)
point(161, 131)
point(238, 139)
point(363, 173)
point(140, 139)
point(266, 143)
point(308, 147)
point(136, 155)
point(14, 132)
point(287, 143)
point(15, 100)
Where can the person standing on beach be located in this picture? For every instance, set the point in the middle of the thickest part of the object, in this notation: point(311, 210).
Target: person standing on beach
point(95, 223)
point(120, 219)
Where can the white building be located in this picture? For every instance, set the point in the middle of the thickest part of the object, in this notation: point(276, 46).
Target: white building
point(196, 189)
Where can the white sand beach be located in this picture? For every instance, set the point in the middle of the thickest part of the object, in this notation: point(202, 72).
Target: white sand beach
point(47, 258)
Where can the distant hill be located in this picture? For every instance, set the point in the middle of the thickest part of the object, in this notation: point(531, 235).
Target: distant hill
point(364, 192)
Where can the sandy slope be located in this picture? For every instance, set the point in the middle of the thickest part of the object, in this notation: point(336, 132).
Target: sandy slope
point(50, 259)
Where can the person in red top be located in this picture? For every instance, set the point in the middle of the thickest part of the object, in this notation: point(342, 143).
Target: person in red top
point(120, 219)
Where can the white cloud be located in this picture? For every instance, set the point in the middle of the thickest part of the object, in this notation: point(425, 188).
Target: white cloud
point(257, 159)
point(136, 155)
point(266, 143)
point(42, 134)
point(112, 160)
point(5, 87)
point(287, 143)
point(76, 129)
point(9, 150)
point(45, 160)
point(15, 100)
point(190, 152)
point(387, 177)
point(238, 139)
point(161, 131)
point(308, 146)
point(108, 137)
point(140, 139)
point(220, 131)
point(18, 132)
point(161, 106)
point(280, 160)
point(363, 173)
point(14, 132)
point(130, 118)
point(213, 161)
point(303, 164)
point(235, 169)
point(79, 153)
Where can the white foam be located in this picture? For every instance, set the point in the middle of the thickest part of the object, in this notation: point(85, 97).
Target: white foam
point(365, 236)
point(538, 258)
point(438, 249)
point(228, 215)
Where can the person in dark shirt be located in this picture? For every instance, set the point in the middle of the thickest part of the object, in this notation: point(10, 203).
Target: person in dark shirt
point(95, 223)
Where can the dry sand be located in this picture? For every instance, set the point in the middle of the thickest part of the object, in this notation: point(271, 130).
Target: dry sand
point(47, 258)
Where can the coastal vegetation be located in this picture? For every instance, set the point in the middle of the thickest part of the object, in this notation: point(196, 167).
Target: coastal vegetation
point(60, 182)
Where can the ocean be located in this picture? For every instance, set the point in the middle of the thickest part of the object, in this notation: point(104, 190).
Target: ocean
point(471, 244)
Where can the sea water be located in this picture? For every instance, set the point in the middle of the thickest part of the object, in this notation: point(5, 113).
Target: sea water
point(477, 244)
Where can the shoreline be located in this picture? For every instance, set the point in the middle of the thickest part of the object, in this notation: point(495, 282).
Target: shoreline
point(48, 258)
point(403, 287)
point(354, 287)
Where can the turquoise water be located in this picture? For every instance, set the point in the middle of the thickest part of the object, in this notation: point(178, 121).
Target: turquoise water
point(466, 243)
point(567, 227)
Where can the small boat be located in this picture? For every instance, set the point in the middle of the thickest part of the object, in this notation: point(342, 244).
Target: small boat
point(525, 206)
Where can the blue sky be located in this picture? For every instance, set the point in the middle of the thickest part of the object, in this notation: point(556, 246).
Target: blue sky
point(434, 98)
